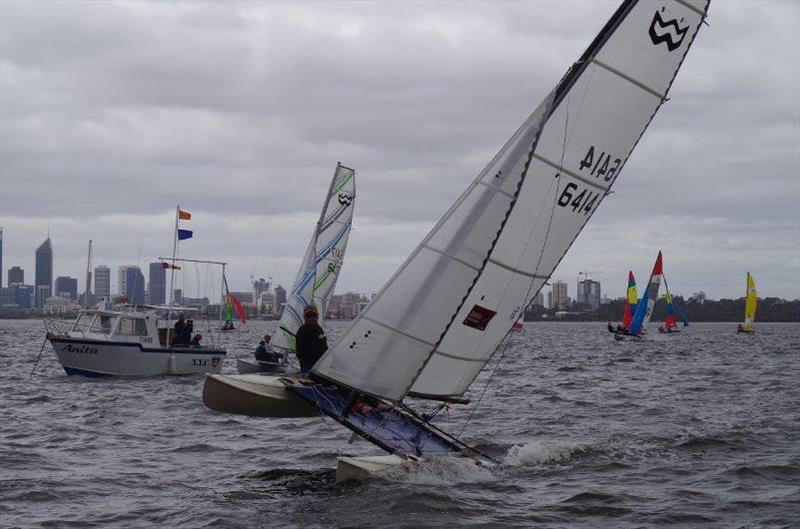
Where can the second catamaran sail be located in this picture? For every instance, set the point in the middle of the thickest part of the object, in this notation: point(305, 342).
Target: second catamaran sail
point(644, 310)
point(439, 319)
point(322, 262)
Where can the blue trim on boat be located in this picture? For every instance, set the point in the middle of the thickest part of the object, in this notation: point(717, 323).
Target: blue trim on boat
point(182, 350)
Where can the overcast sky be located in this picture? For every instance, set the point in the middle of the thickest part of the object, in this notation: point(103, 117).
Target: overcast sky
point(113, 112)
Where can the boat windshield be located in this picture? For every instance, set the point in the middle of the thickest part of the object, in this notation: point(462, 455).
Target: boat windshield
point(132, 327)
point(83, 323)
point(104, 324)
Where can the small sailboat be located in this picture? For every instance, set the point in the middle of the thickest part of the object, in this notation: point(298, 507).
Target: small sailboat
point(444, 313)
point(670, 322)
point(644, 307)
point(631, 299)
point(231, 304)
point(749, 306)
point(314, 284)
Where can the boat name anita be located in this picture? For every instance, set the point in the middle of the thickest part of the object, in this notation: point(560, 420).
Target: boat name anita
point(84, 349)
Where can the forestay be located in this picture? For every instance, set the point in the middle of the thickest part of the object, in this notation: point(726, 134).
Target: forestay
point(442, 315)
point(322, 262)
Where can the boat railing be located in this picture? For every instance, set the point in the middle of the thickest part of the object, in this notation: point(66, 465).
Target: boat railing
point(53, 328)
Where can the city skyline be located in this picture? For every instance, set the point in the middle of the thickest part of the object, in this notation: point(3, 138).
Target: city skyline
point(252, 161)
point(103, 272)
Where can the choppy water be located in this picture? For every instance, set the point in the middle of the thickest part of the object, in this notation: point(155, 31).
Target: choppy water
point(700, 429)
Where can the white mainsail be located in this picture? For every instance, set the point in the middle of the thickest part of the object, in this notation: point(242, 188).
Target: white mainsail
point(322, 263)
point(440, 318)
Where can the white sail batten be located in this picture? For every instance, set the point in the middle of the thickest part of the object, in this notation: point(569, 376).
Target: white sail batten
point(316, 278)
point(582, 149)
point(580, 138)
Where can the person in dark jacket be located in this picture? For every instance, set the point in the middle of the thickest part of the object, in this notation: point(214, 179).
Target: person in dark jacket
point(183, 331)
point(311, 340)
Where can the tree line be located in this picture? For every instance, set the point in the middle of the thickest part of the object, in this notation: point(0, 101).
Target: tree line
point(730, 310)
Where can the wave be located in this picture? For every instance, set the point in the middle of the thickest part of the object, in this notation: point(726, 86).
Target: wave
point(537, 452)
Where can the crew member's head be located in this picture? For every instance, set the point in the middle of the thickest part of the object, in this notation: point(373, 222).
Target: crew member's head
point(310, 314)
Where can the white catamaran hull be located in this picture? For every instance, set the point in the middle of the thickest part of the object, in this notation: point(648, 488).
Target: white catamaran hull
point(361, 468)
point(255, 396)
point(103, 358)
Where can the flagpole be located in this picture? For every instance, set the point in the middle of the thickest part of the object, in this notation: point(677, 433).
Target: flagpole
point(172, 273)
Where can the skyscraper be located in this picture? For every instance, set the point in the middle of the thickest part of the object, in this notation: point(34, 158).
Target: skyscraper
point(130, 284)
point(16, 275)
point(280, 300)
point(44, 272)
point(67, 287)
point(589, 293)
point(102, 282)
point(560, 296)
point(157, 286)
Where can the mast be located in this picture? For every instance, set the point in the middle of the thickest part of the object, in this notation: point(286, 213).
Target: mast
point(88, 277)
point(222, 292)
point(172, 271)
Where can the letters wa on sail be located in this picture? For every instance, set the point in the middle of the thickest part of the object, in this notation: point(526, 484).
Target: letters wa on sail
point(440, 317)
point(323, 259)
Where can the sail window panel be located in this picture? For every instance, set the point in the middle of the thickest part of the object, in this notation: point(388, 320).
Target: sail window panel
point(465, 350)
point(419, 299)
point(468, 233)
point(374, 358)
point(652, 41)
point(595, 126)
point(446, 377)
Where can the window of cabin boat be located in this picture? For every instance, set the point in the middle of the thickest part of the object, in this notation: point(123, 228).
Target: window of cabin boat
point(83, 322)
point(132, 327)
point(103, 324)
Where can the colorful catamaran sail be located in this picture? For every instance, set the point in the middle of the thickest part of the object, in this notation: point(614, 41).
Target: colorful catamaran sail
point(231, 304)
point(749, 306)
point(322, 262)
point(644, 309)
point(670, 322)
point(631, 299)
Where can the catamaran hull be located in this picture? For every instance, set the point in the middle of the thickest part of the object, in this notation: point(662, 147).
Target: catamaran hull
point(107, 358)
point(362, 468)
point(255, 396)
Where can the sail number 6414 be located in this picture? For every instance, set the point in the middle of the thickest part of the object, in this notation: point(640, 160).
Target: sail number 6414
point(582, 202)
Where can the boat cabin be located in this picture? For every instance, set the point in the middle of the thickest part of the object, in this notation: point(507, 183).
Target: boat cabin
point(138, 327)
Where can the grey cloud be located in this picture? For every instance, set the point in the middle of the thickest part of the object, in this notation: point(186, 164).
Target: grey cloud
point(113, 112)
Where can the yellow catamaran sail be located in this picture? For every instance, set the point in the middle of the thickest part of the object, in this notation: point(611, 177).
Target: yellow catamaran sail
point(749, 305)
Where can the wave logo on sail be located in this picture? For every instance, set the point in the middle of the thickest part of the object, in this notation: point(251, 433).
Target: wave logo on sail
point(345, 199)
point(667, 31)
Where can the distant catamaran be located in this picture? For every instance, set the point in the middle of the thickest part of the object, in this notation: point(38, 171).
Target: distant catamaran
point(749, 306)
point(440, 318)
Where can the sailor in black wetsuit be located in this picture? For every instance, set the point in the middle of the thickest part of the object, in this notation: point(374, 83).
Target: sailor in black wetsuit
point(311, 340)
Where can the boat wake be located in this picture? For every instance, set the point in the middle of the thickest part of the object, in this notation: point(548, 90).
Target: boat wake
point(538, 452)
